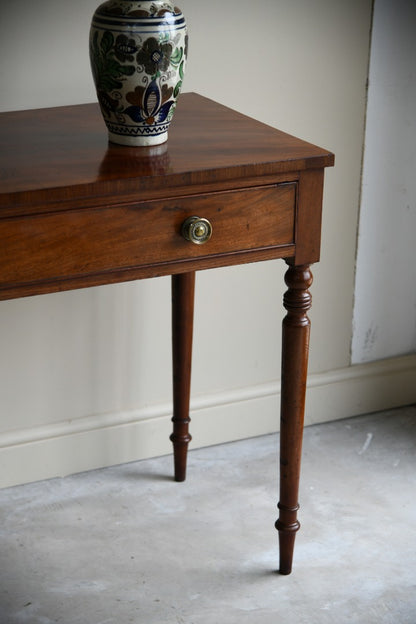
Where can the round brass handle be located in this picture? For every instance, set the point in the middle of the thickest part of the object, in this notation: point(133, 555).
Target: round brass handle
point(197, 230)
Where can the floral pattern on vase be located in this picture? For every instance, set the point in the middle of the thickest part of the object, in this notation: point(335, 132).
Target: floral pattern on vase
point(138, 53)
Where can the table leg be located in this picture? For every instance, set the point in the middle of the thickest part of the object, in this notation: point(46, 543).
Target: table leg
point(295, 346)
point(183, 288)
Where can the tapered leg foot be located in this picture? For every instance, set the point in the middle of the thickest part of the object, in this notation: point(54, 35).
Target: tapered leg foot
point(183, 289)
point(180, 454)
point(287, 525)
point(295, 348)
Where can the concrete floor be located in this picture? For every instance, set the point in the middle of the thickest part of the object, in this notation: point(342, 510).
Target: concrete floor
point(127, 544)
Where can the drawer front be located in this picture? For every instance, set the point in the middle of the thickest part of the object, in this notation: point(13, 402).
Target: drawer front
point(77, 243)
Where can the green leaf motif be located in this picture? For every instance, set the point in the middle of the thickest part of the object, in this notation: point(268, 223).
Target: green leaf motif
point(107, 83)
point(177, 89)
point(127, 70)
point(176, 57)
point(107, 42)
point(108, 71)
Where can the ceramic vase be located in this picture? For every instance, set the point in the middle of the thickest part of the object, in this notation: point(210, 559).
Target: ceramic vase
point(138, 53)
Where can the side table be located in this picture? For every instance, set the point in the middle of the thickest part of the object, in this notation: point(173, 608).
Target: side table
point(76, 211)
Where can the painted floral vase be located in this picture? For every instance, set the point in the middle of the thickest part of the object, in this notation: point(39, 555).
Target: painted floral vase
point(138, 53)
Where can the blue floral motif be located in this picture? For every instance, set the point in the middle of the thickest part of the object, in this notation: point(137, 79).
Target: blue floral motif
point(150, 104)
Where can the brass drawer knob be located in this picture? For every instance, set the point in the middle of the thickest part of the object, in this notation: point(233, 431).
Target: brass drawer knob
point(197, 230)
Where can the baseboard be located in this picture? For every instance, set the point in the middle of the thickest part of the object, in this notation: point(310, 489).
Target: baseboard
point(103, 440)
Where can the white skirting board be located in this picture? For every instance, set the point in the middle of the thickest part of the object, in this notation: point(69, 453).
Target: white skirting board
point(108, 439)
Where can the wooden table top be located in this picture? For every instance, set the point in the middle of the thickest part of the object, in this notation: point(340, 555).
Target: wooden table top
point(45, 152)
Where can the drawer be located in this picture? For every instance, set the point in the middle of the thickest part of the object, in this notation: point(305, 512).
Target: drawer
point(77, 243)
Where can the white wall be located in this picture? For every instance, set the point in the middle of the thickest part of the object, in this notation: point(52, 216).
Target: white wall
point(85, 375)
point(385, 294)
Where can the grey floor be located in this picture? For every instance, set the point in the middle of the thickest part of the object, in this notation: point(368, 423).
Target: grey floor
point(127, 544)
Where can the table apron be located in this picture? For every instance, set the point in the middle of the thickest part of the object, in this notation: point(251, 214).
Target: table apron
point(83, 247)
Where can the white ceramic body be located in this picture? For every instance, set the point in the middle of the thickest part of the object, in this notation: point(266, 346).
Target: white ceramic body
point(138, 55)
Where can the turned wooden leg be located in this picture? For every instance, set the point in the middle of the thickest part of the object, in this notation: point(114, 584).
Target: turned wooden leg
point(183, 288)
point(295, 346)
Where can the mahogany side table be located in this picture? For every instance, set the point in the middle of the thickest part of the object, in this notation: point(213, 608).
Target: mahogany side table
point(76, 211)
